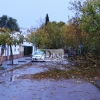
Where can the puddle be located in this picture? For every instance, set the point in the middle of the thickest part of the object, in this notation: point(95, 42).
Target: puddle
point(36, 67)
point(22, 61)
point(12, 88)
point(11, 76)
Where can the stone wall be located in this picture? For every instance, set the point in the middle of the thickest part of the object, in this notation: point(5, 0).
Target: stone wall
point(53, 54)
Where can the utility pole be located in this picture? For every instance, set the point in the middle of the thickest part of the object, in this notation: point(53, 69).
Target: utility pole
point(34, 42)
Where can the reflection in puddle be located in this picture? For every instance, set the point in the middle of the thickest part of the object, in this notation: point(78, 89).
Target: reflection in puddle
point(37, 67)
point(11, 76)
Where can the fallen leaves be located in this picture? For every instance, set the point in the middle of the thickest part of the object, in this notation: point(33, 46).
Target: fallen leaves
point(55, 73)
point(81, 69)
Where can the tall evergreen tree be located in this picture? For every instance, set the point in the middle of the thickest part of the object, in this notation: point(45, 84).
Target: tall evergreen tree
point(46, 19)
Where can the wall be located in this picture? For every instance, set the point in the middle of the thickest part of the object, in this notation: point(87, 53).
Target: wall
point(15, 51)
point(53, 54)
point(18, 51)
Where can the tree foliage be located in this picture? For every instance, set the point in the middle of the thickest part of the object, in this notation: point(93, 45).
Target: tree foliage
point(83, 28)
point(8, 26)
point(9, 22)
point(48, 36)
point(87, 18)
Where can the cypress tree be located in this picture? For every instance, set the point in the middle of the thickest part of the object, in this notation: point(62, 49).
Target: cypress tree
point(46, 19)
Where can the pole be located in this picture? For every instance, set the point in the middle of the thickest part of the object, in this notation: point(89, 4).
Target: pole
point(34, 44)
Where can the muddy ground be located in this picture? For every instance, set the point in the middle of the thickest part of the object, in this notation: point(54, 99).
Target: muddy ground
point(14, 87)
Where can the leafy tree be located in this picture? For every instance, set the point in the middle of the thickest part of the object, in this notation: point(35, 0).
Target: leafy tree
point(8, 26)
point(9, 22)
point(60, 24)
point(90, 23)
point(87, 18)
point(12, 24)
point(49, 36)
point(3, 21)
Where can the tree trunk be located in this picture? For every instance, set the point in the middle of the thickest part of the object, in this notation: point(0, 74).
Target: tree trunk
point(1, 57)
point(11, 54)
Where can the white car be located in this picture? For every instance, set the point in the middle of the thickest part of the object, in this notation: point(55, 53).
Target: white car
point(38, 55)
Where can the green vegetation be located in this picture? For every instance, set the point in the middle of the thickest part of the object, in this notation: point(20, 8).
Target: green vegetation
point(8, 26)
point(83, 28)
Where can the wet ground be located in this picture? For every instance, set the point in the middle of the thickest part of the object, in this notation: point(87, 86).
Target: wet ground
point(14, 88)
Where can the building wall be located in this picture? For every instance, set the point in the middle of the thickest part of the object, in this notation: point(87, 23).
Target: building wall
point(21, 48)
point(18, 51)
point(15, 51)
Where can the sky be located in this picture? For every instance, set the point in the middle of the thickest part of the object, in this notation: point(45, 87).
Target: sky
point(32, 12)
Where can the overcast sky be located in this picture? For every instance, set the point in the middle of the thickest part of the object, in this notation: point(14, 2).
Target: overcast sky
point(30, 12)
